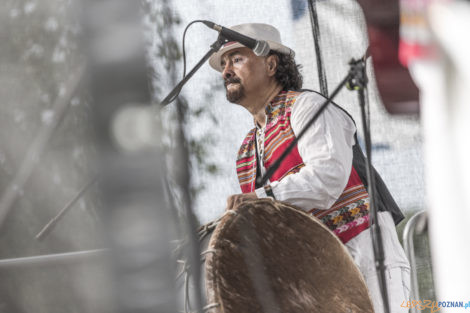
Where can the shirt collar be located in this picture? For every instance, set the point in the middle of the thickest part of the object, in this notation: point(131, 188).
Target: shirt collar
point(269, 108)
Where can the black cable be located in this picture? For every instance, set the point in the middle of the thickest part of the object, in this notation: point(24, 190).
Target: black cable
point(184, 54)
point(183, 177)
point(184, 50)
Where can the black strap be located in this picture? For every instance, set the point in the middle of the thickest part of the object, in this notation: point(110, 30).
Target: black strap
point(385, 201)
point(336, 105)
point(258, 168)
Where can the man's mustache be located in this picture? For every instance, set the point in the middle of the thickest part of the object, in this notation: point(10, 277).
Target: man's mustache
point(231, 81)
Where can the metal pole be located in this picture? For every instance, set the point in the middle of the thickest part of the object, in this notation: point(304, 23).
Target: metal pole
point(50, 226)
point(408, 243)
point(318, 53)
point(53, 259)
point(38, 147)
point(359, 83)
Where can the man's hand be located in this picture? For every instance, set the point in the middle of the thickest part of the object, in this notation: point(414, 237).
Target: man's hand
point(235, 200)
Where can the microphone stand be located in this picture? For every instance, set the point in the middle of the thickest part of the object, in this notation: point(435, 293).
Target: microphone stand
point(194, 253)
point(213, 49)
point(359, 83)
point(356, 79)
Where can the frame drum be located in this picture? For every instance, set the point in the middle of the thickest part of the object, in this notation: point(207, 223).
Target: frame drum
point(268, 256)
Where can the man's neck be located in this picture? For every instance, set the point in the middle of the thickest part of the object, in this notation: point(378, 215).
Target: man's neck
point(258, 104)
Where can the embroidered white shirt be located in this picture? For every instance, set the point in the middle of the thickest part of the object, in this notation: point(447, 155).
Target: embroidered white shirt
point(326, 150)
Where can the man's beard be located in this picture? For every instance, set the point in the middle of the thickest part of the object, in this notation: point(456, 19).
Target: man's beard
point(234, 95)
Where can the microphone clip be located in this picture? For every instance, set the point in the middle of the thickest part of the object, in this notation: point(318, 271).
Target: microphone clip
point(221, 40)
point(357, 75)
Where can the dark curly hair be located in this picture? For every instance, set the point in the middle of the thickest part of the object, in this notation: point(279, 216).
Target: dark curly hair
point(288, 72)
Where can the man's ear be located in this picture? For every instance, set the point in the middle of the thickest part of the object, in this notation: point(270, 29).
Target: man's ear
point(271, 64)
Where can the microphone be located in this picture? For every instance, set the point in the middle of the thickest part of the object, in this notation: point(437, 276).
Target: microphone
point(260, 47)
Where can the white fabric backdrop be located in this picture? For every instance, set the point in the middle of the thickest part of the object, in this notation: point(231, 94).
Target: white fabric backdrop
point(397, 140)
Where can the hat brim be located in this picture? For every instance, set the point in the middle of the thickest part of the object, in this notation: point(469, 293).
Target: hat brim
point(215, 59)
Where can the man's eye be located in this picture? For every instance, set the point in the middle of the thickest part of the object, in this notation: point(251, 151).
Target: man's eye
point(235, 60)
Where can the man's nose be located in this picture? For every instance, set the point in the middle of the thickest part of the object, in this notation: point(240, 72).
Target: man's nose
point(227, 72)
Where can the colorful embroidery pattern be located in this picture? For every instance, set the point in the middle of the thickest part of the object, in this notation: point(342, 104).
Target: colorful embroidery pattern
point(246, 163)
point(348, 213)
point(278, 135)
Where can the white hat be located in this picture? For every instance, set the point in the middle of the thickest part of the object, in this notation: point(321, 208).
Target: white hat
point(257, 31)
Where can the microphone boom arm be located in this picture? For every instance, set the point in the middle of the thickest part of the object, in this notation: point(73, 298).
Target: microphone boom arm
point(173, 93)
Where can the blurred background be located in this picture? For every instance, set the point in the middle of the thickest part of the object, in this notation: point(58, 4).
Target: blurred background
point(50, 139)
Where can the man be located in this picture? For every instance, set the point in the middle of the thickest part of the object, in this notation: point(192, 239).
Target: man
point(325, 173)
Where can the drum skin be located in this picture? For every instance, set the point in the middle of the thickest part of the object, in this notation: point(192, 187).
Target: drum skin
point(271, 257)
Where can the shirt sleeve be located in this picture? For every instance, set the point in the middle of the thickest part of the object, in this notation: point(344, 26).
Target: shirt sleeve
point(326, 150)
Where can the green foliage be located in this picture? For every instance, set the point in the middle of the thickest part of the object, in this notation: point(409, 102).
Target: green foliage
point(166, 57)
